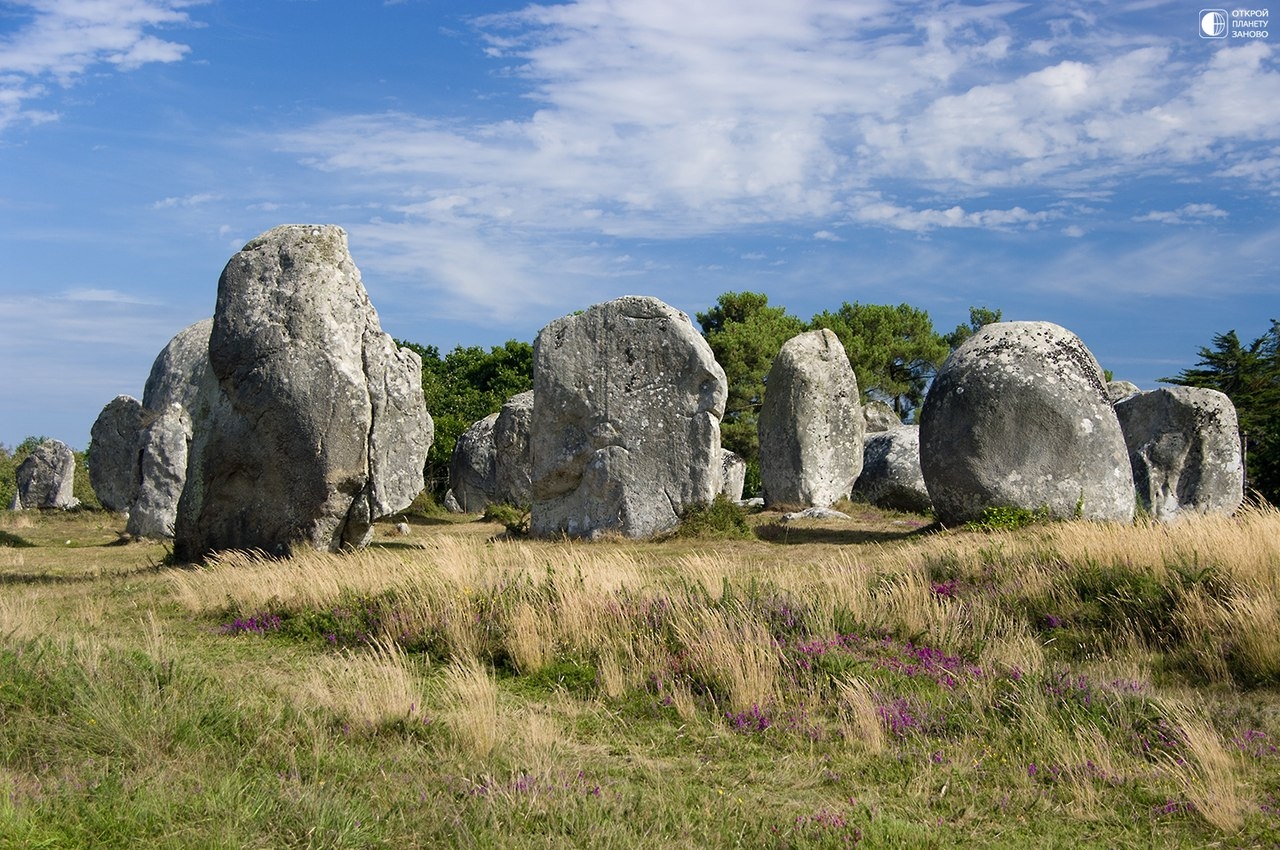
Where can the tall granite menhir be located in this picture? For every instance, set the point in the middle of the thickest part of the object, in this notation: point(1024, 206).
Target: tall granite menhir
point(310, 423)
point(627, 400)
point(811, 423)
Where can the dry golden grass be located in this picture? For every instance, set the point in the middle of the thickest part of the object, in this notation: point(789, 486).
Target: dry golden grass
point(468, 704)
point(859, 717)
point(366, 689)
point(1207, 773)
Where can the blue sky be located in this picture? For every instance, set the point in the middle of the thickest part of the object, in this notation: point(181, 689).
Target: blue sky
point(499, 164)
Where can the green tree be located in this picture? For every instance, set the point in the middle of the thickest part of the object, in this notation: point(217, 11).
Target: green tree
point(464, 386)
point(894, 351)
point(745, 334)
point(978, 316)
point(1250, 376)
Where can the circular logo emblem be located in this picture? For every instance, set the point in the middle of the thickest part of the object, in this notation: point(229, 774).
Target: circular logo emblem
point(1213, 24)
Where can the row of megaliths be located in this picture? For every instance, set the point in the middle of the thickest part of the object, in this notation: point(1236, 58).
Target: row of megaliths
point(291, 418)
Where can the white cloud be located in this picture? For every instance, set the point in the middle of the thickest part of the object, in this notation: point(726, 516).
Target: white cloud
point(661, 118)
point(187, 201)
point(60, 40)
point(1186, 214)
point(872, 209)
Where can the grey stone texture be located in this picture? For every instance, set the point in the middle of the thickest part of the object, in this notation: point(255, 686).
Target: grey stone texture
point(163, 446)
point(513, 462)
point(626, 420)
point(472, 477)
point(310, 422)
point(1184, 447)
point(46, 477)
point(113, 452)
point(179, 369)
point(880, 416)
point(1120, 390)
point(1019, 416)
point(891, 476)
point(733, 475)
point(811, 424)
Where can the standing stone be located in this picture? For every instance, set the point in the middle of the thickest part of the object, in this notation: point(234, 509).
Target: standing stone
point(46, 478)
point(891, 476)
point(1019, 416)
point(310, 422)
point(733, 475)
point(179, 369)
point(471, 467)
point(113, 453)
point(811, 424)
point(512, 461)
point(880, 417)
point(626, 420)
point(1120, 390)
point(1184, 446)
point(162, 465)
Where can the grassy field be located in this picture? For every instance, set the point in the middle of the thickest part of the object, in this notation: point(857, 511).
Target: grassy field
point(874, 683)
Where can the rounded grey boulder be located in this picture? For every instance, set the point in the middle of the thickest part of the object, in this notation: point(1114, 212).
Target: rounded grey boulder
point(46, 478)
point(113, 452)
point(1019, 416)
point(891, 476)
point(1184, 446)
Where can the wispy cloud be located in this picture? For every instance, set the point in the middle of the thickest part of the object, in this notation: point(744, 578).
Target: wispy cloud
point(58, 41)
point(1186, 214)
point(664, 119)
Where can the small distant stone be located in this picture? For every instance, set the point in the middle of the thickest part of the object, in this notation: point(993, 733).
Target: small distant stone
point(402, 528)
point(44, 480)
point(815, 513)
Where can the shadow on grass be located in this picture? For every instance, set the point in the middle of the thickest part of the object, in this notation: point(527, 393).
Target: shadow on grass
point(14, 541)
point(789, 534)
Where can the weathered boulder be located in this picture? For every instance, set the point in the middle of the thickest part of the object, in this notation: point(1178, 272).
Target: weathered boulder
point(512, 461)
point(733, 475)
point(46, 477)
point(627, 400)
point(1184, 446)
point(472, 478)
point(310, 422)
point(1019, 416)
point(891, 476)
point(811, 425)
point(879, 417)
point(1120, 390)
point(113, 452)
point(162, 471)
point(179, 369)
